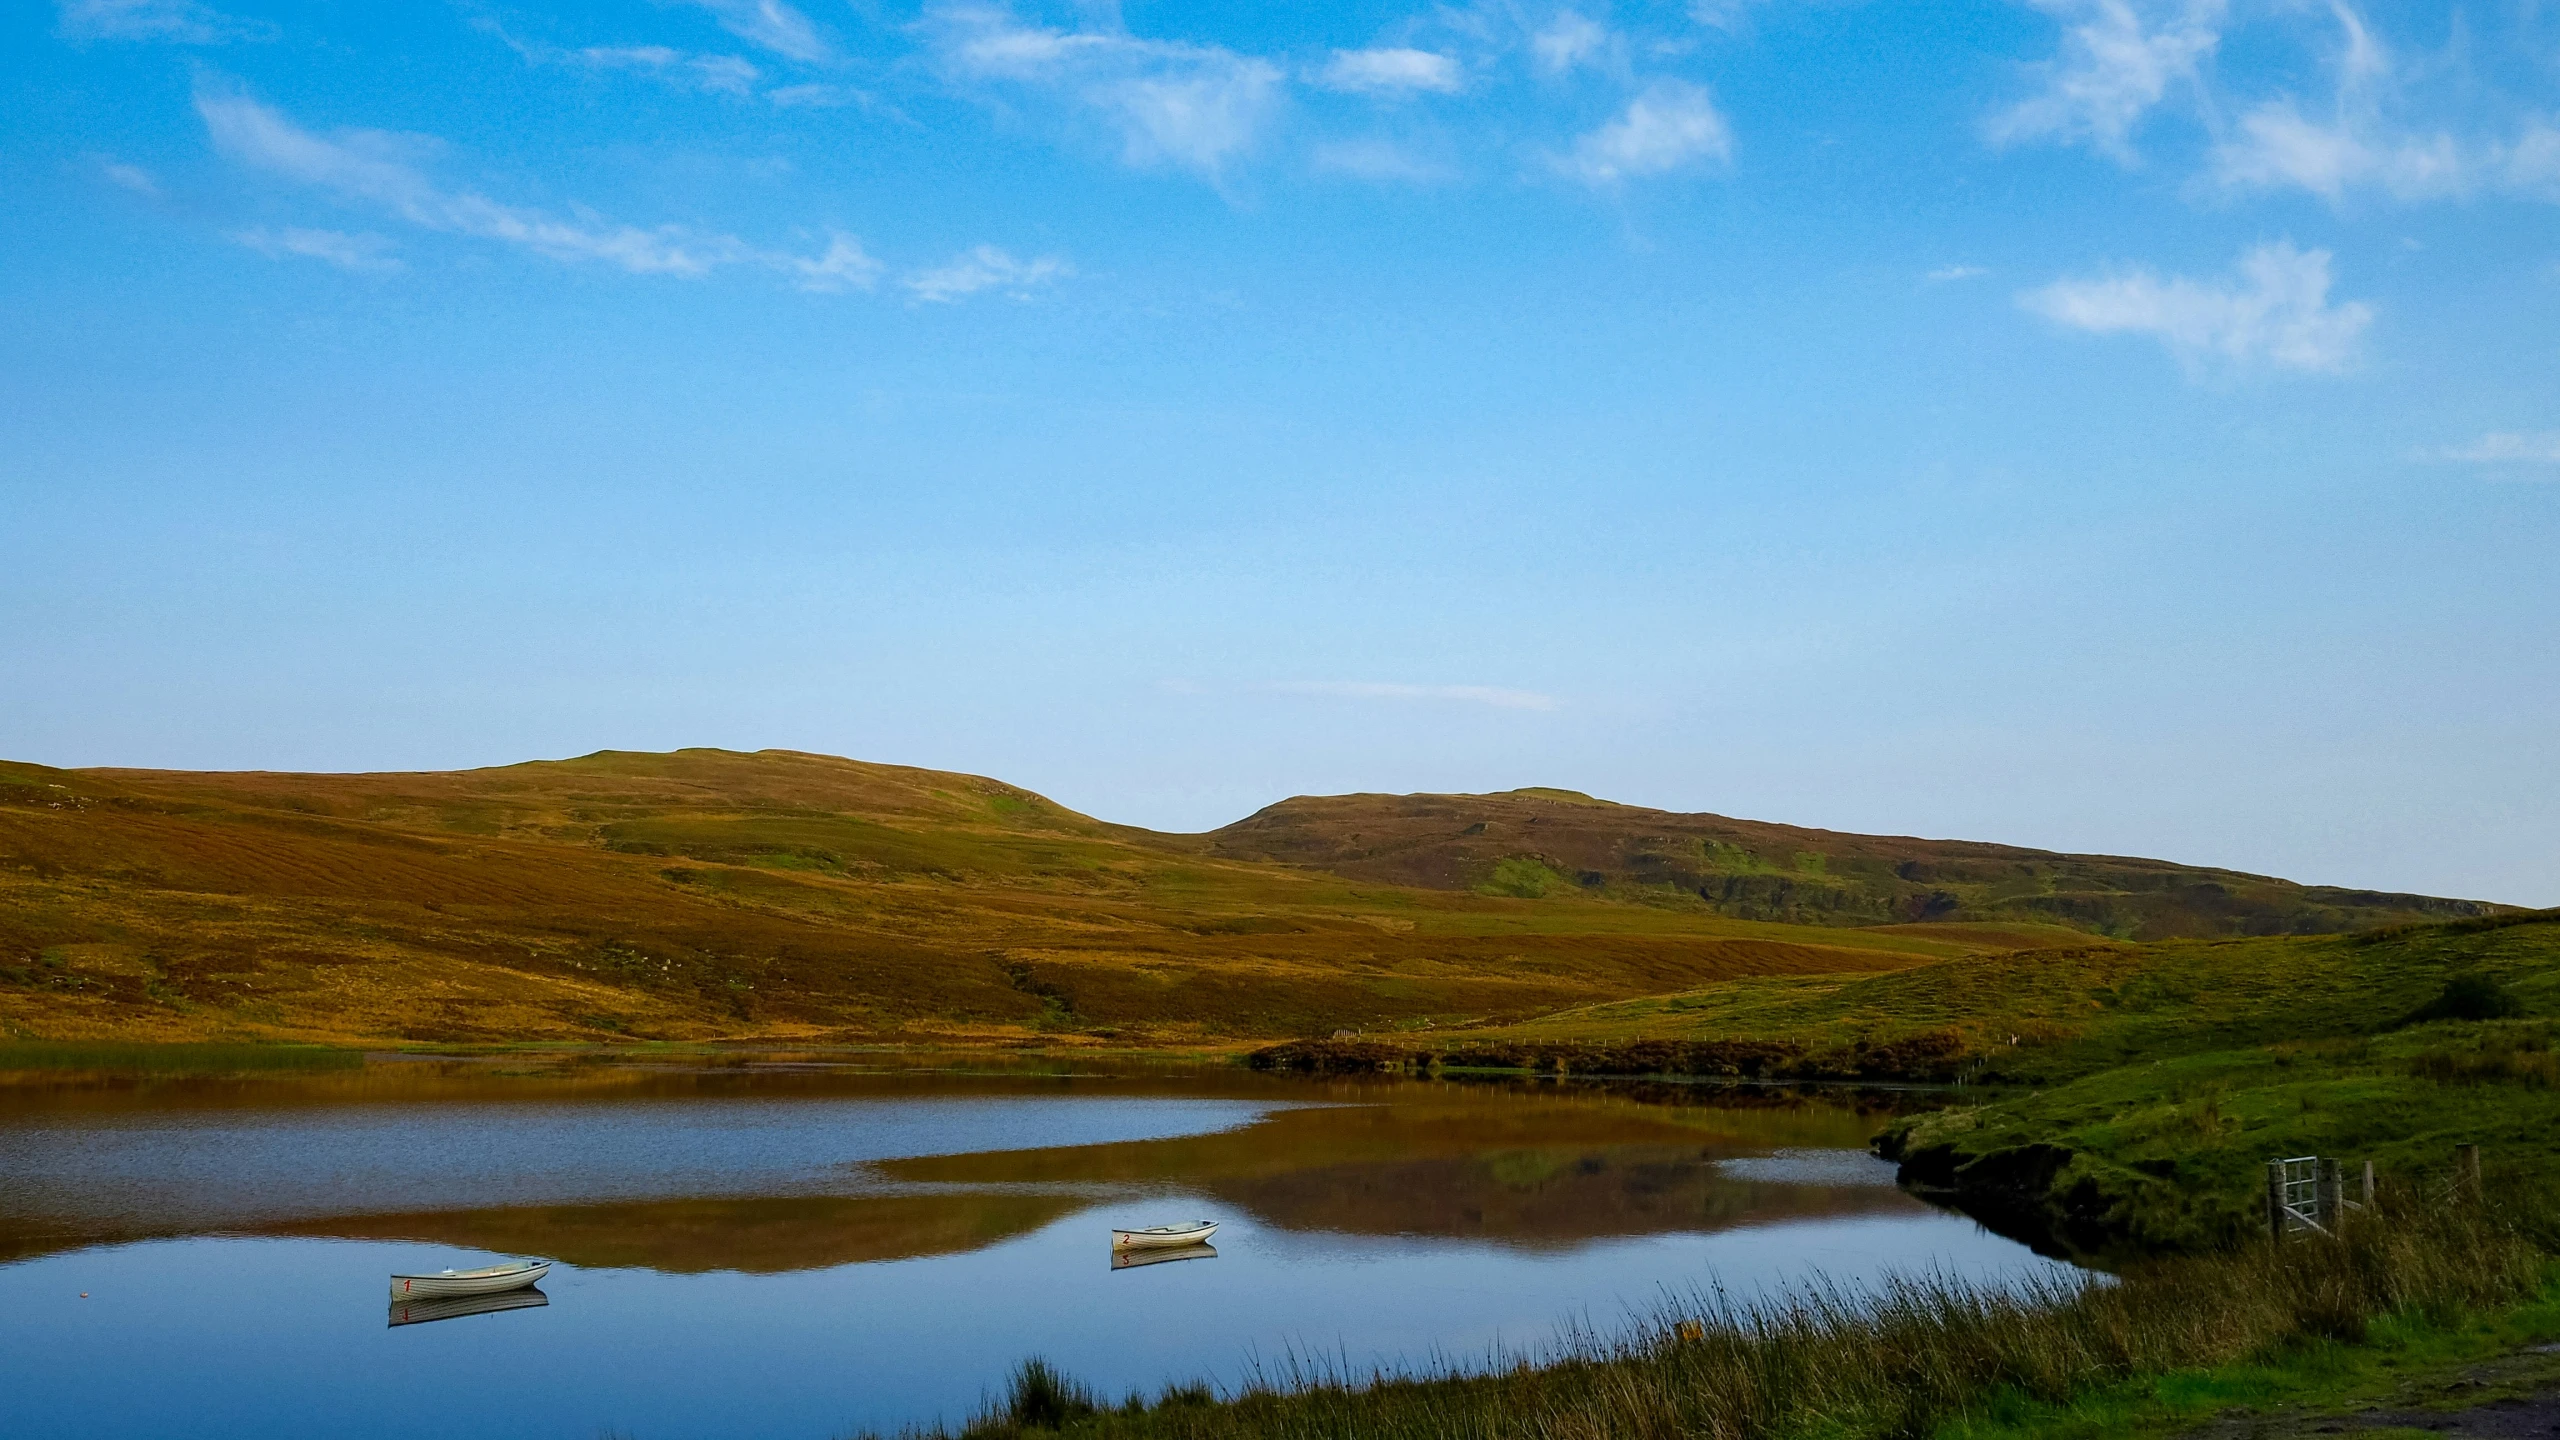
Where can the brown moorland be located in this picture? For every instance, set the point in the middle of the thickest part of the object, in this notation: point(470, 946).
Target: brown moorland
point(780, 896)
point(1538, 842)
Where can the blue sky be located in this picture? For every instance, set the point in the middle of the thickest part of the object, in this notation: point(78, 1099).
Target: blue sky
point(2123, 427)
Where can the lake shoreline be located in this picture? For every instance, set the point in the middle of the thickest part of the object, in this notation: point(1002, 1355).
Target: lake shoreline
point(2403, 1309)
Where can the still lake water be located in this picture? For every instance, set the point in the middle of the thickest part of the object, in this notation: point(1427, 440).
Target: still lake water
point(782, 1252)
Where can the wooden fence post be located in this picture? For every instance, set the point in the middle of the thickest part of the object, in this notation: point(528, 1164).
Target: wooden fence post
point(2466, 1170)
point(2275, 1199)
point(2368, 1184)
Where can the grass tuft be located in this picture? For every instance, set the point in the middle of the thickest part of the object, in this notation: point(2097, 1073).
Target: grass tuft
point(1041, 1398)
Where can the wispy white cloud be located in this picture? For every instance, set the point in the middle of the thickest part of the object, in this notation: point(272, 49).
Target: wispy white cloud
point(1946, 273)
point(1373, 159)
point(2508, 447)
point(1569, 41)
point(129, 177)
point(1495, 696)
point(2532, 164)
point(843, 265)
point(1668, 125)
point(818, 96)
point(180, 22)
point(1199, 120)
point(987, 268)
point(714, 74)
point(2275, 310)
point(2276, 145)
point(679, 69)
point(365, 252)
point(1196, 107)
point(2122, 59)
point(373, 168)
point(1392, 71)
point(2119, 58)
point(773, 25)
point(1726, 15)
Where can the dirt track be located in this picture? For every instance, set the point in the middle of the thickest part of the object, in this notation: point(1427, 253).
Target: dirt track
point(2515, 1397)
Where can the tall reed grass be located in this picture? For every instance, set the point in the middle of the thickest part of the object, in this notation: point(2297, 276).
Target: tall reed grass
point(1896, 1360)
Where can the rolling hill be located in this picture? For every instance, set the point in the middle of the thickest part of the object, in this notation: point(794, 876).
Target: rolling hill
point(1543, 842)
point(784, 896)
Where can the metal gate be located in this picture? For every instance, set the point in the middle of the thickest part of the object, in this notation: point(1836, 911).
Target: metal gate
point(2296, 1191)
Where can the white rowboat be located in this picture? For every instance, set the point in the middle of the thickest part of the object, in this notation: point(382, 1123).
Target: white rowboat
point(454, 1307)
point(489, 1280)
point(1156, 1255)
point(1164, 1236)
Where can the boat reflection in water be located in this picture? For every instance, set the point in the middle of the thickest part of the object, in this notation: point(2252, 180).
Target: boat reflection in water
point(1124, 1259)
point(419, 1312)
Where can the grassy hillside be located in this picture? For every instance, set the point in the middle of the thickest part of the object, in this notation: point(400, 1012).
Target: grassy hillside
point(2131, 1094)
point(1545, 843)
point(708, 894)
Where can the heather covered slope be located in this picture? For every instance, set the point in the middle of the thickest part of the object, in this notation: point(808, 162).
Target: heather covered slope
point(707, 893)
point(1542, 843)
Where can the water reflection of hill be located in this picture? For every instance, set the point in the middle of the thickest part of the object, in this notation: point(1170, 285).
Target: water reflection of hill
point(1542, 1197)
point(755, 1236)
point(1524, 1166)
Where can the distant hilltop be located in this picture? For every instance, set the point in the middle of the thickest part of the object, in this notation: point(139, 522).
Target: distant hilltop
point(1538, 842)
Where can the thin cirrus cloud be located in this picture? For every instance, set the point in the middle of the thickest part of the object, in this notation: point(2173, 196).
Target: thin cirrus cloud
point(1492, 695)
point(1568, 42)
point(365, 252)
point(1669, 125)
point(1376, 160)
point(1392, 71)
point(372, 168)
point(1193, 107)
point(1204, 108)
point(819, 96)
point(2360, 144)
point(2118, 60)
point(2508, 447)
point(2275, 145)
point(180, 22)
point(684, 71)
point(709, 74)
point(985, 267)
point(772, 25)
point(2274, 310)
point(127, 176)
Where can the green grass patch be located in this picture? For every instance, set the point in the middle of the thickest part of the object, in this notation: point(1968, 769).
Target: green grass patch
point(2405, 1349)
point(1522, 878)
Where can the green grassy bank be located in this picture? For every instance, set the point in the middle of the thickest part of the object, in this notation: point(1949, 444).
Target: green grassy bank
point(2301, 1322)
point(2120, 1101)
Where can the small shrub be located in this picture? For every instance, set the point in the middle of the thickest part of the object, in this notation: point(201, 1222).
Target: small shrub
point(2469, 997)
